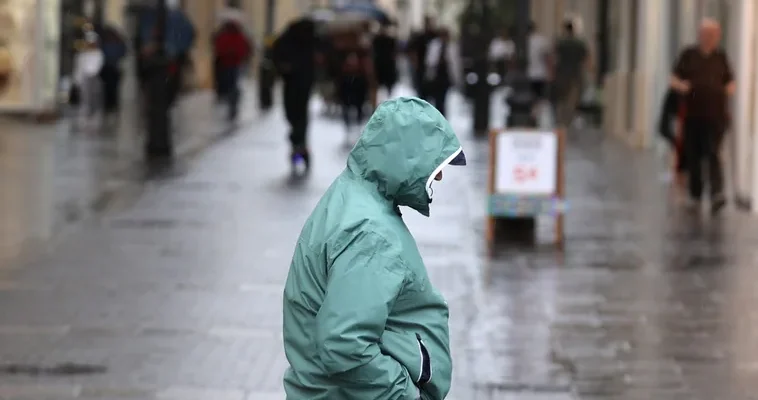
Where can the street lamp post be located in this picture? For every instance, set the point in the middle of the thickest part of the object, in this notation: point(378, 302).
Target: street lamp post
point(159, 144)
point(481, 89)
point(521, 101)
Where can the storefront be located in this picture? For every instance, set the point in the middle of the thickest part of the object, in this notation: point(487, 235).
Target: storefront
point(29, 55)
point(647, 36)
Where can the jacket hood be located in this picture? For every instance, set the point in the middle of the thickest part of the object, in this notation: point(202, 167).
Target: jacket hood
point(402, 148)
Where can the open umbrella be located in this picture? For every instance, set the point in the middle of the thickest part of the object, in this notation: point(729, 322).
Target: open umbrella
point(322, 15)
point(365, 11)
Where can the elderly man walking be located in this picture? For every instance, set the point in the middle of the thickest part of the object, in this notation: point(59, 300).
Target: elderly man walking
point(362, 320)
point(703, 76)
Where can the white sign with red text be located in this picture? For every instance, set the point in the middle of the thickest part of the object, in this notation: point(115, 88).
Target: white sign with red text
point(526, 163)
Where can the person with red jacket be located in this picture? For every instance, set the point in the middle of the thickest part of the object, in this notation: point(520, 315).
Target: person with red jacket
point(232, 49)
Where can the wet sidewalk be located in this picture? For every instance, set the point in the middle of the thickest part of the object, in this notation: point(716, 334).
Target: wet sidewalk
point(648, 301)
point(53, 176)
point(173, 291)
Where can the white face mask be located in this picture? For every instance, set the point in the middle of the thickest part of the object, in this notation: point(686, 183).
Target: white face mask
point(429, 191)
point(172, 4)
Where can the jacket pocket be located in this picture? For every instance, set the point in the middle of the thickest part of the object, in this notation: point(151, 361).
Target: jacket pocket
point(411, 352)
point(425, 374)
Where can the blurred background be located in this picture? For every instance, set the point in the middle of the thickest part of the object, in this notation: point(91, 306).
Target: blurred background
point(158, 159)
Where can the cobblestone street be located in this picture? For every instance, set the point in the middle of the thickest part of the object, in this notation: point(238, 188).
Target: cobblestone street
point(171, 287)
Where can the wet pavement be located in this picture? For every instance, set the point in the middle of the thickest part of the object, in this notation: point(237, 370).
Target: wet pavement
point(54, 176)
point(171, 287)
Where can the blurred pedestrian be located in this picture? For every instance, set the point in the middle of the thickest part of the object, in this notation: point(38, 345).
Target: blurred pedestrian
point(501, 52)
point(266, 74)
point(417, 52)
point(88, 63)
point(571, 57)
point(703, 75)
point(295, 58)
point(177, 42)
point(356, 71)
point(224, 17)
point(231, 49)
point(443, 67)
point(329, 67)
point(216, 67)
point(114, 51)
point(538, 63)
point(385, 59)
point(362, 320)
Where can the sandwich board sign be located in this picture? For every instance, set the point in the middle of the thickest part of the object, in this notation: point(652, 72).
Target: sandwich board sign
point(526, 177)
point(527, 163)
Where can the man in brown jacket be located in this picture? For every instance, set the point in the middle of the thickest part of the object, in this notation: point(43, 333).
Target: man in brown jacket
point(704, 77)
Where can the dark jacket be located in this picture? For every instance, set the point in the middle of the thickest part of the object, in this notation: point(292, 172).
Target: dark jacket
point(295, 52)
point(180, 33)
point(385, 50)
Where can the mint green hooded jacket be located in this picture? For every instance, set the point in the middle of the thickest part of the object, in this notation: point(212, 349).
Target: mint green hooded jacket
point(361, 318)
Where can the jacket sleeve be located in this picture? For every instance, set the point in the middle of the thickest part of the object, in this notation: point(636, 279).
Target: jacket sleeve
point(362, 286)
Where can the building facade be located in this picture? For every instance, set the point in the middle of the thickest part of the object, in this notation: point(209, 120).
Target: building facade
point(635, 44)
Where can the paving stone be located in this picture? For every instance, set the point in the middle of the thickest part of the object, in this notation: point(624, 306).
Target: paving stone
point(116, 393)
point(187, 393)
point(266, 396)
point(34, 330)
point(41, 391)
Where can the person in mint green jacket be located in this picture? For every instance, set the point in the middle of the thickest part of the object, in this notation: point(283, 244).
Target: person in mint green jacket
point(362, 320)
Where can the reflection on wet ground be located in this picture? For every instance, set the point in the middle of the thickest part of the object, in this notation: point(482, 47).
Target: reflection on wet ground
point(54, 176)
point(174, 294)
point(51, 177)
point(648, 301)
